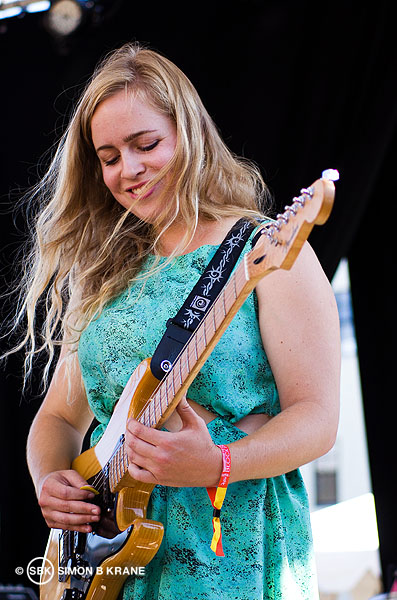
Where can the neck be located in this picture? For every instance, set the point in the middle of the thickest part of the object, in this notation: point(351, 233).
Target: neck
point(207, 232)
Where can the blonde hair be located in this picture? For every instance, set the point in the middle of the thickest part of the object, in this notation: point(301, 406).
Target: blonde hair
point(85, 247)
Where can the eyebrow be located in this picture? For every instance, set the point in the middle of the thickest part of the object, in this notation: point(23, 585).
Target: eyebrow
point(129, 138)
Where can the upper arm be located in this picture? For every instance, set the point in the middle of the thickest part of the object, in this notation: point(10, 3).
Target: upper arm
point(66, 398)
point(300, 330)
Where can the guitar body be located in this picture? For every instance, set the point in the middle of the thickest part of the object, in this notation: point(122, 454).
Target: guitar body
point(94, 566)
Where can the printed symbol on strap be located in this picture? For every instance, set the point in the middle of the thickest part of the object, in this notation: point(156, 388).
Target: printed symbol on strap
point(200, 303)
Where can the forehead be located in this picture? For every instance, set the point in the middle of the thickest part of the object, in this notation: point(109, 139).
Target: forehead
point(127, 111)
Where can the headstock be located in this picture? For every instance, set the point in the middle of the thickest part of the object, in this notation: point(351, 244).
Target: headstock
point(281, 240)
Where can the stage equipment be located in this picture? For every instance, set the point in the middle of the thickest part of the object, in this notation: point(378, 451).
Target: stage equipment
point(13, 8)
point(66, 16)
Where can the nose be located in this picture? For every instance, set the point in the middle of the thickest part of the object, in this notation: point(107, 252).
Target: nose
point(132, 165)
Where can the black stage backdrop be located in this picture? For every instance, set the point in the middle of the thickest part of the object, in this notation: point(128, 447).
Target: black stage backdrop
point(296, 86)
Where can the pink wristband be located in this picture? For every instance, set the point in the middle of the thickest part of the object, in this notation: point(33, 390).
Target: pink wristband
point(217, 496)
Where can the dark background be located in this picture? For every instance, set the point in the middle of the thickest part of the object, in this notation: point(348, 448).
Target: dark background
point(296, 86)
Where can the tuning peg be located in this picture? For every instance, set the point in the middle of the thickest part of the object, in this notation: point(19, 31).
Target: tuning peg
point(330, 174)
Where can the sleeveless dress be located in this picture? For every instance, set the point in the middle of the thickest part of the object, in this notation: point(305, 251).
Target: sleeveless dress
point(266, 531)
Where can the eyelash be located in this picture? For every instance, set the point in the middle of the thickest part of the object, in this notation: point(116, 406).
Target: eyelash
point(152, 146)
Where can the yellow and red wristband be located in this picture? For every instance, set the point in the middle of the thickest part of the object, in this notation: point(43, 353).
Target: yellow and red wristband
point(217, 496)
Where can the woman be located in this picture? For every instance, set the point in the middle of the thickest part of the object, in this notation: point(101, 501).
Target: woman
point(140, 193)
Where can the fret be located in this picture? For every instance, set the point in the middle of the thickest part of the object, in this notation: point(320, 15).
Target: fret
point(146, 418)
point(122, 466)
point(163, 401)
point(228, 298)
point(172, 384)
point(158, 405)
point(154, 403)
point(118, 470)
point(234, 286)
point(149, 410)
point(189, 359)
point(217, 313)
point(125, 460)
point(176, 383)
point(146, 414)
point(195, 345)
point(199, 340)
point(213, 317)
point(114, 468)
point(111, 476)
point(224, 303)
point(241, 278)
point(180, 372)
point(205, 334)
point(185, 358)
point(152, 409)
point(166, 395)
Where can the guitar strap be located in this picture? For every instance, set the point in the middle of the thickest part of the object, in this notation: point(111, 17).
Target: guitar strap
point(203, 295)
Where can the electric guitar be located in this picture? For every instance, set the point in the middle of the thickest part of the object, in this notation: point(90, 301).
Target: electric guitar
point(94, 566)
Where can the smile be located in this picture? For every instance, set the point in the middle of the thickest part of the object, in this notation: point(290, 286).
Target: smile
point(137, 191)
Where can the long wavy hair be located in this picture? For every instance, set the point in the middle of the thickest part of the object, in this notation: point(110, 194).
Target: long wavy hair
point(85, 247)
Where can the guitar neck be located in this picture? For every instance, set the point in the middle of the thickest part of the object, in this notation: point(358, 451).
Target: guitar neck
point(176, 383)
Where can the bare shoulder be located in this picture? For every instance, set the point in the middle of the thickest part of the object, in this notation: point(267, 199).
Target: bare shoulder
point(305, 282)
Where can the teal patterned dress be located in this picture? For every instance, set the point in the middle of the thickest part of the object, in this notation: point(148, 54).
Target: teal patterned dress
point(265, 523)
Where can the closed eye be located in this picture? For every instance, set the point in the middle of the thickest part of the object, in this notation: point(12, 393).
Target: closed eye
point(150, 147)
point(111, 161)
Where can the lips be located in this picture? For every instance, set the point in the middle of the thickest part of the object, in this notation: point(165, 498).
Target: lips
point(137, 190)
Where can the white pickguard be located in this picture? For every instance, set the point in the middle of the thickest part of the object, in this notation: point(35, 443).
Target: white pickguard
point(117, 424)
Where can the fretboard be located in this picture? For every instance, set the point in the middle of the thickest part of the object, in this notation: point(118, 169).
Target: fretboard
point(196, 350)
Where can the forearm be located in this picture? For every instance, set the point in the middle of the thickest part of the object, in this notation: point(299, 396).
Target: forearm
point(299, 434)
point(52, 445)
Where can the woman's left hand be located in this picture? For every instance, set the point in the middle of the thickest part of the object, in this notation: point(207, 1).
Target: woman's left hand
point(185, 458)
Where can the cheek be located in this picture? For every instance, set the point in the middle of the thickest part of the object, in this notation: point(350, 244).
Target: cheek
point(109, 179)
point(166, 154)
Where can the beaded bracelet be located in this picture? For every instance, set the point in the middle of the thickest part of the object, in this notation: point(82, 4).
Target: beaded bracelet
point(217, 496)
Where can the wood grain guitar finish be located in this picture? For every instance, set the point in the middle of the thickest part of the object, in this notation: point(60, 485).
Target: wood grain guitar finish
point(94, 566)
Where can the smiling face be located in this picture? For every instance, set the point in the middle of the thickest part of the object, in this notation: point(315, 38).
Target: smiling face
point(133, 142)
